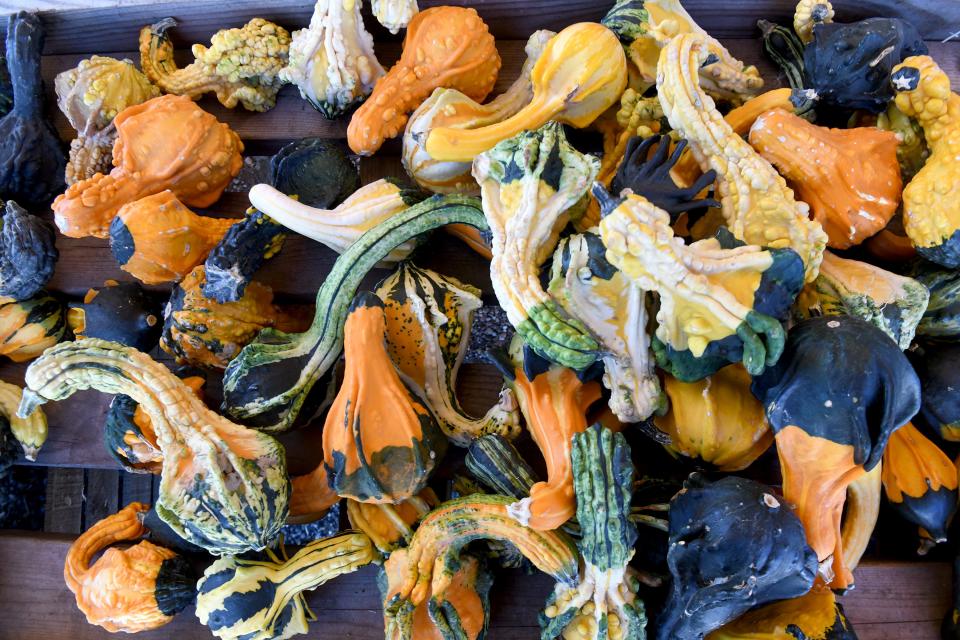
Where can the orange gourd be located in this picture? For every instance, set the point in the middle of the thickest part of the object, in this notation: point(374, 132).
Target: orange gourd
point(311, 496)
point(165, 143)
point(448, 47)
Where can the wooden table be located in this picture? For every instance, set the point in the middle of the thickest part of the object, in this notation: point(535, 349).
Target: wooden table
point(892, 600)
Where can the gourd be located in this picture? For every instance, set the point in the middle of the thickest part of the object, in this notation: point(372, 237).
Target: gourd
point(531, 185)
point(912, 150)
point(920, 482)
point(716, 420)
point(380, 442)
point(164, 143)
point(129, 435)
point(940, 407)
point(785, 49)
point(267, 384)
point(817, 615)
point(223, 487)
point(119, 312)
point(497, 464)
point(241, 65)
point(91, 95)
point(135, 589)
point(28, 327)
point(451, 108)
point(849, 177)
point(893, 303)
point(832, 421)
point(317, 170)
point(390, 526)
point(604, 604)
point(941, 319)
point(394, 14)
point(236, 258)
point(757, 205)
point(931, 211)
point(613, 308)
point(428, 320)
point(861, 512)
point(848, 66)
point(31, 432)
point(28, 252)
point(422, 572)
point(342, 226)
point(808, 15)
point(206, 333)
point(156, 239)
point(554, 403)
point(445, 46)
point(311, 496)
point(332, 61)
point(644, 27)
point(720, 301)
point(891, 244)
point(580, 74)
point(722, 536)
point(31, 156)
point(262, 599)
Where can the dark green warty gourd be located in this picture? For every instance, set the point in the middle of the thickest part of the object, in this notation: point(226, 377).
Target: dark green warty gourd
point(28, 253)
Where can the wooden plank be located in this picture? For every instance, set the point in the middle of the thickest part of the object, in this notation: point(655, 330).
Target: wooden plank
point(101, 495)
point(349, 607)
point(64, 504)
point(136, 487)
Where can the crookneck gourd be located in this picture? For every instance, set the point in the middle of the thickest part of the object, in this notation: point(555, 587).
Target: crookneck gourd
point(428, 321)
point(164, 143)
point(119, 312)
point(580, 74)
point(156, 239)
point(28, 327)
point(725, 535)
point(893, 303)
point(234, 261)
point(241, 65)
point(332, 61)
point(28, 252)
point(849, 177)
point(758, 206)
point(605, 601)
point(941, 319)
point(451, 108)
point(815, 616)
point(939, 412)
point(206, 333)
point(268, 383)
point(423, 572)
point(380, 441)
point(497, 464)
point(91, 95)
point(720, 301)
point(223, 487)
point(931, 200)
point(716, 421)
point(444, 47)
point(391, 526)
point(244, 598)
point(133, 589)
point(840, 389)
point(614, 309)
point(920, 482)
point(554, 403)
point(531, 185)
point(31, 155)
point(340, 227)
point(29, 432)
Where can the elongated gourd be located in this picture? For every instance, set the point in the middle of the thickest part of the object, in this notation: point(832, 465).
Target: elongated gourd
point(30, 432)
point(340, 227)
point(268, 382)
point(580, 74)
point(134, 589)
point(498, 465)
point(758, 206)
point(222, 487)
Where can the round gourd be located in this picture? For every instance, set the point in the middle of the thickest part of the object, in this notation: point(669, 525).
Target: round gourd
point(936, 365)
point(119, 312)
point(315, 170)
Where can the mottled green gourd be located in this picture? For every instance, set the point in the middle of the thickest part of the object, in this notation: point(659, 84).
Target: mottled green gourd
point(604, 605)
point(222, 486)
point(532, 185)
point(941, 319)
point(241, 598)
point(267, 383)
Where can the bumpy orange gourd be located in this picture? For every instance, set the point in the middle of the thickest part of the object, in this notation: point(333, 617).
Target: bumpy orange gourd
point(849, 177)
point(165, 143)
point(156, 239)
point(447, 47)
point(134, 589)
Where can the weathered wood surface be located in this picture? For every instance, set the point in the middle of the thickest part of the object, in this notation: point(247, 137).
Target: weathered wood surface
point(891, 601)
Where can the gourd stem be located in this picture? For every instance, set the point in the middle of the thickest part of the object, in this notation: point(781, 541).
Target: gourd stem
point(24, 46)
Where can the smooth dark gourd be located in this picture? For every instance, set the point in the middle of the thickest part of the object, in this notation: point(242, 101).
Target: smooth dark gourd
point(937, 367)
point(28, 253)
point(32, 158)
point(120, 312)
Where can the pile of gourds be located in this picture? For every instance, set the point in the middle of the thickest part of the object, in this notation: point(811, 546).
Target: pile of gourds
point(737, 269)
